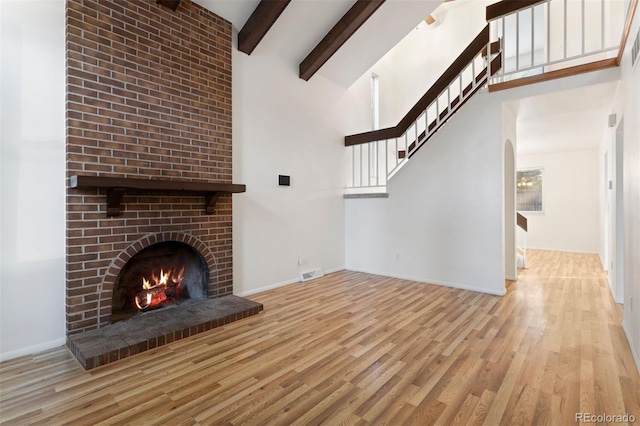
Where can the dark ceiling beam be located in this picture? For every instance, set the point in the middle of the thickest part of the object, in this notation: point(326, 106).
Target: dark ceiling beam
point(338, 35)
point(259, 23)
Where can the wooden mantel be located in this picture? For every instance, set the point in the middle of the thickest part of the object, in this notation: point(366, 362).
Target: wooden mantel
point(116, 188)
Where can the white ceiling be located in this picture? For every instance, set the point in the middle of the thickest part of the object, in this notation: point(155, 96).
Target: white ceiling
point(235, 11)
point(567, 120)
point(305, 22)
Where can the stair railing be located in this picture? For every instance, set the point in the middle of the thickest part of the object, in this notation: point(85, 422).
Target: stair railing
point(545, 35)
point(376, 156)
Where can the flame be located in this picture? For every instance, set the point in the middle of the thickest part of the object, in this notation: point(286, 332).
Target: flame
point(164, 277)
point(178, 277)
point(154, 290)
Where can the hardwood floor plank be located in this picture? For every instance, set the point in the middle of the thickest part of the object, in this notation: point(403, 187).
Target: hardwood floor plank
point(467, 408)
point(356, 349)
point(497, 409)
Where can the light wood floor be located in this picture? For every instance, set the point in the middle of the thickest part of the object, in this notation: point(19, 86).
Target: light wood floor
point(355, 349)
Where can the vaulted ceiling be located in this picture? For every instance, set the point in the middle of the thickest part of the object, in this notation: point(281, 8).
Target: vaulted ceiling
point(337, 39)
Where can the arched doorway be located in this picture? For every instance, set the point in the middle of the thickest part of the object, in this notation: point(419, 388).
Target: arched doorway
point(509, 179)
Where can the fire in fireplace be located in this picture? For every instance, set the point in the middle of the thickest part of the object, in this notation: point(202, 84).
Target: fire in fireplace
point(159, 289)
point(159, 276)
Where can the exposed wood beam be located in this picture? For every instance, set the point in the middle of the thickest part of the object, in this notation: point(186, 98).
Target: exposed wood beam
point(338, 35)
point(259, 23)
point(552, 75)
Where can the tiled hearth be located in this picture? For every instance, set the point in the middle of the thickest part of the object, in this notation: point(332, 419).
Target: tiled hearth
point(148, 97)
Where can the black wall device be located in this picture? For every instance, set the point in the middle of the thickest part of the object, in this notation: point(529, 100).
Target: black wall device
point(284, 180)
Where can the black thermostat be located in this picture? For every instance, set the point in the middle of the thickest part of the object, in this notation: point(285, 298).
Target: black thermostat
point(284, 180)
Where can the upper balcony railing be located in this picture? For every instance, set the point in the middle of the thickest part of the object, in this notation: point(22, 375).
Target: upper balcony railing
point(555, 34)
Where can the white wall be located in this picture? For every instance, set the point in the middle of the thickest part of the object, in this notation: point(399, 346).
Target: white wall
point(570, 202)
point(627, 107)
point(442, 222)
point(284, 125)
point(32, 283)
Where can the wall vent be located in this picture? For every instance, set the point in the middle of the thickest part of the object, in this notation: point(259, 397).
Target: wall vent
point(310, 275)
point(635, 50)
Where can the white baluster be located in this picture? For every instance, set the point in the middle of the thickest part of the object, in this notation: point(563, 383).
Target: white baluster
point(533, 34)
point(602, 24)
point(583, 22)
point(517, 40)
point(548, 31)
point(565, 29)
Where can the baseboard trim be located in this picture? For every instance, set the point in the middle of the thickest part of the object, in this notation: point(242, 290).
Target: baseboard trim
point(511, 278)
point(436, 282)
point(283, 284)
point(564, 250)
point(627, 333)
point(30, 350)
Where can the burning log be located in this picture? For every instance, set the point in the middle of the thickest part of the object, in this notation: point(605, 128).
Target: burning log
point(152, 298)
point(167, 287)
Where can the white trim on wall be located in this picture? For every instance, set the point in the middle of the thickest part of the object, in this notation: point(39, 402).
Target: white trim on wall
point(437, 282)
point(32, 349)
point(563, 250)
point(283, 284)
point(627, 333)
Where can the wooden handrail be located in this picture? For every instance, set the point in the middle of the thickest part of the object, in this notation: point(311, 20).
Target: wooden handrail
point(506, 7)
point(627, 28)
point(555, 74)
point(461, 62)
point(521, 221)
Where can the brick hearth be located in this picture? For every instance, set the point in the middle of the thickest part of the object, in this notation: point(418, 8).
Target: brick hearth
point(156, 328)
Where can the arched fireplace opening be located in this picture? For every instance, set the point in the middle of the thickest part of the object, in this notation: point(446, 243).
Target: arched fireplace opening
point(162, 275)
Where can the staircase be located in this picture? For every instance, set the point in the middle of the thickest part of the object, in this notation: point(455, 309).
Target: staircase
point(496, 58)
point(378, 155)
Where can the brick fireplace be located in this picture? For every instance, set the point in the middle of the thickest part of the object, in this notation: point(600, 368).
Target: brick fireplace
point(148, 97)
